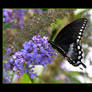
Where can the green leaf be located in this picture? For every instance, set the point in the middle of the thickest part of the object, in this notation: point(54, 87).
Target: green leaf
point(45, 9)
point(36, 80)
point(8, 25)
point(57, 27)
point(80, 14)
point(25, 78)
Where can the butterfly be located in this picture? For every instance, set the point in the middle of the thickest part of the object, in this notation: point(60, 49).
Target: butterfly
point(67, 42)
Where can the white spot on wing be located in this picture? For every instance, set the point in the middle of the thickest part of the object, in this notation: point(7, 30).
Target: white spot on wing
point(84, 21)
point(77, 40)
point(79, 57)
point(78, 47)
point(79, 37)
point(83, 24)
point(81, 30)
point(82, 27)
point(79, 52)
point(79, 33)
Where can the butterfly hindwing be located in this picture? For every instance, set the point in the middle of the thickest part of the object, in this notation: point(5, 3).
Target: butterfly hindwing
point(75, 52)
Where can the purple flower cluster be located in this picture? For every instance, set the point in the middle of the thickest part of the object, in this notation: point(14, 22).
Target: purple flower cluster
point(14, 15)
point(37, 10)
point(64, 68)
point(8, 50)
point(6, 78)
point(31, 11)
point(63, 78)
point(35, 52)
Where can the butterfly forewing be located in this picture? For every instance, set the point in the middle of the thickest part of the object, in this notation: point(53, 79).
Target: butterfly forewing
point(70, 34)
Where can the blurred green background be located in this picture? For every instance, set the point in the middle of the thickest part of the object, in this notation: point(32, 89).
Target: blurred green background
point(49, 23)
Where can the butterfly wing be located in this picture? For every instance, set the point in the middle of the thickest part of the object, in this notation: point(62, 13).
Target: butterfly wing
point(75, 52)
point(70, 34)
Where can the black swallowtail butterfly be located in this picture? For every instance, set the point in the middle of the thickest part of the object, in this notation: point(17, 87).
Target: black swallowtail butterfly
point(67, 42)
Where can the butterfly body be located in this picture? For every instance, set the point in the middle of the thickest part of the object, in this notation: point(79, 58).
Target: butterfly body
point(67, 42)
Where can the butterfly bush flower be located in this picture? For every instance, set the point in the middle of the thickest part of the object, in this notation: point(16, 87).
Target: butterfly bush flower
point(64, 68)
point(37, 10)
point(62, 77)
point(6, 78)
point(32, 11)
point(35, 52)
point(8, 50)
point(14, 15)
